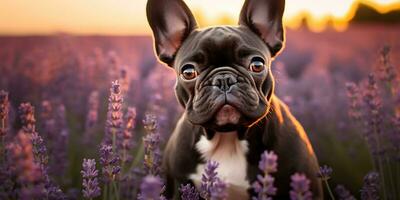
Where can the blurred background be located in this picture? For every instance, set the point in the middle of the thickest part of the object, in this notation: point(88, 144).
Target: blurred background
point(63, 51)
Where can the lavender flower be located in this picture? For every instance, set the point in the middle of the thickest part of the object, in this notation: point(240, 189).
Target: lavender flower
point(26, 112)
point(22, 154)
point(110, 163)
point(114, 115)
point(54, 192)
point(388, 71)
point(152, 153)
point(92, 114)
point(208, 179)
point(324, 172)
point(353, 93)
point(113, 62)
point(300, 187)
point(219, 190)
point(264, 185)
point(3, 112)
point(127, 142)
point(125, 81)
point(151, 188)
point(90, 183)
point(48, 125)
point(60, 141)
point(28, 120)
point(268, 162)
point(189, 192)
point(29, 174)
point(150, 123)
point(373, 103)
point(343, 193)
point(49, 132)
point(395, 138)
point(39, 150)
point(370, 189)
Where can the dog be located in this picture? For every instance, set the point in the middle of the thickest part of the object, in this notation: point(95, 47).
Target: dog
point(225, 85)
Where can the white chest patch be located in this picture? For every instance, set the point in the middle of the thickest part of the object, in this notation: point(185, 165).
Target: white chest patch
point(230, 153)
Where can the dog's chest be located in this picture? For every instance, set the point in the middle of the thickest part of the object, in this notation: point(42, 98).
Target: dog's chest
point(230, 153)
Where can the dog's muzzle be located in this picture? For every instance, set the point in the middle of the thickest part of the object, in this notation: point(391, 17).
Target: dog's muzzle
point(224, 81)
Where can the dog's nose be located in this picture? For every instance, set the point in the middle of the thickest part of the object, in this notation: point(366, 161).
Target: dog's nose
point(224, 81)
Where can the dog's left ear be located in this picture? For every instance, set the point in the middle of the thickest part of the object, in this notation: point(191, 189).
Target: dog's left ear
point(171, 22)
point(264, 17)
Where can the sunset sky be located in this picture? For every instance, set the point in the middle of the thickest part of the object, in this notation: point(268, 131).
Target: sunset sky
point(127, 17)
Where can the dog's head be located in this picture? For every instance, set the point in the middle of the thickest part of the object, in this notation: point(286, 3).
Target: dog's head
point(224, 79)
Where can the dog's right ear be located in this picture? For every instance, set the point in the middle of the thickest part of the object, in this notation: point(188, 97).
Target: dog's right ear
point(171, 22)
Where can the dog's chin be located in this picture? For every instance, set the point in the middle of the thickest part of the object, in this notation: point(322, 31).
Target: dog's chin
point(226, 119)
point(227, 114)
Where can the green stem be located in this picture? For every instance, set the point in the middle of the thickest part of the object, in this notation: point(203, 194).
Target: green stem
point(105, 192)
point(123, 160)
point(116, 190)
point(380, 166)
point(329, 189)
point(392, 183)
point(138, 156)
point(113, 141)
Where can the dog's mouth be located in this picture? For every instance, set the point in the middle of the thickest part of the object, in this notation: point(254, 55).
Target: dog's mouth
point(227, 114)
point(226, 119)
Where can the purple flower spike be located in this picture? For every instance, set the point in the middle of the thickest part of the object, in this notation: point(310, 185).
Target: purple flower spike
point(300, 187)
point(388, 71)
point(114, 115)
point(29, 174)
point(39, 149)
point(219, 190)
point(264, 185)
point(208, 179)
point(110, 163)
point(127, 142)
point(324, 172)
point(189, 192)
point(370, 189)
point(90, 183)
point(373, 116)
point(150, 123)
point(354, 95)
point(26, 112)
point(268, 162)
point(92, 114)
point(3, 112)
point(28, 121)
point(152, 153)
point(343, 193)
point(151, 188)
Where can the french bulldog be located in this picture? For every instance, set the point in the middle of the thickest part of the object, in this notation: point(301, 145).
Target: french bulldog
point(225, 85)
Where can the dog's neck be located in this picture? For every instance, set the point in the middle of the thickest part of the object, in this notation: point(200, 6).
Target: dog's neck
point(230, 153)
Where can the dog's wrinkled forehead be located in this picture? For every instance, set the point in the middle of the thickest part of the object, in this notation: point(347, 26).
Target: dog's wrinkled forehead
point(219, 46)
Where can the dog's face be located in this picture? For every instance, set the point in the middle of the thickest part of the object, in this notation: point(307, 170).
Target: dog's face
point(223, 73)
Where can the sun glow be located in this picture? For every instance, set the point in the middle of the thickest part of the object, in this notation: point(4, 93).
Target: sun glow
point(317, 14)
point(127, 17)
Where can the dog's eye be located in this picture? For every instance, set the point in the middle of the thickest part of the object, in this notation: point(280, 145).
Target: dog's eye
point(257, 64)
point(188, 72)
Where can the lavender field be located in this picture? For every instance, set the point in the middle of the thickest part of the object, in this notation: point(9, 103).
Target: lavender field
point(88, 117)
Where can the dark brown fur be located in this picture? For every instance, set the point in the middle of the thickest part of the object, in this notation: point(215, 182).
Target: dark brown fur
point(265, 122)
